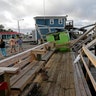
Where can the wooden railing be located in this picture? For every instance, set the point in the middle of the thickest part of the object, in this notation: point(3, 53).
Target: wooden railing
point(40, 49)
point(91, 60)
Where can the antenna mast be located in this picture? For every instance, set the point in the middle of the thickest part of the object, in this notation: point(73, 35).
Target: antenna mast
point(44, 7)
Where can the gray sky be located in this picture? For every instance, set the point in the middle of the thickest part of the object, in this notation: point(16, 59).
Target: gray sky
point(83, 12)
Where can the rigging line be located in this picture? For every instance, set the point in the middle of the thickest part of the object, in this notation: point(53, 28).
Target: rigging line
point(44, 7)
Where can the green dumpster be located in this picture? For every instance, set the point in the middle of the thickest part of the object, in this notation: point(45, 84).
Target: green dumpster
point(59, 38)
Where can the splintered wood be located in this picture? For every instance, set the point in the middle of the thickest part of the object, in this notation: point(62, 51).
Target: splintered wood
point(61, 76)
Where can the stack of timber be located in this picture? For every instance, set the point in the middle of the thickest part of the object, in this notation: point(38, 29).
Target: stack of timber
point(81, 84)
point(28, 65)
point(85, 38)
point(86, 49)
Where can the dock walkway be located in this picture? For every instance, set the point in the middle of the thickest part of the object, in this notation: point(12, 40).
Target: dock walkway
point(64, 77)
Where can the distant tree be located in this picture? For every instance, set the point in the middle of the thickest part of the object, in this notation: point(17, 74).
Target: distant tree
point(10, 30)
point(1, 27)
point(5, 30)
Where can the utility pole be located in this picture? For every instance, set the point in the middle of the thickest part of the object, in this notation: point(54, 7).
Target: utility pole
point(19, 24)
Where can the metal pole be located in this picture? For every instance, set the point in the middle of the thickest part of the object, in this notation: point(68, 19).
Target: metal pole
point(19, 24)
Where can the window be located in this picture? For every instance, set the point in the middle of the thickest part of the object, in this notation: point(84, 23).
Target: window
point(60, 21)
point(51, 21)
point(56, 37)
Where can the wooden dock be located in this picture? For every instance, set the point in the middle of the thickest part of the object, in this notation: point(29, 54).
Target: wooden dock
point(40, 71)
point(61, 76)
point(65, 78)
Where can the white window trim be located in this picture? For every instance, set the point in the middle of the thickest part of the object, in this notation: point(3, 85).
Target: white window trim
point(60, 21)
point(51, 21)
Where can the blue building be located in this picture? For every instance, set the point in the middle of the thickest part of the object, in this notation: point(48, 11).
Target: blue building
point(47, 24)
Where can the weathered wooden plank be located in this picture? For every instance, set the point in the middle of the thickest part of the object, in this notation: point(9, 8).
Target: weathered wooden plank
point(15, 58)
point(11, 60)
point(1, 72)
point(45, 86)
point(58, 79)
point(52, 75)
point(24, 55)
point(9, 70)
point(89, 73)
point(78, 93)
point(66, 85)
point(91, 43)
point(81, 86)
point(93, 71)
point(21, 60)
point(24, 80)
point(84, 82)
point(90, 55)
point(15, 78)
point(71, 76)
point(47, 55)
point(61, 80)
point(82, 36)
point(63, 74)
point(27, 77)
point(38, 51)
point(22, 63)
point(38, 79)
point(61, 93)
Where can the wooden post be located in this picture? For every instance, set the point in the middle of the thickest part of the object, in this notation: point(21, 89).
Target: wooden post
point(7, 79)
point(33, 57)
point(2, 92)
point(37, 53)
point(89, 66)
point(39, 57)
point(7, 71)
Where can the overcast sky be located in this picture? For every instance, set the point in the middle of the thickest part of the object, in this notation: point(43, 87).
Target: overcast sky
point(83, 12)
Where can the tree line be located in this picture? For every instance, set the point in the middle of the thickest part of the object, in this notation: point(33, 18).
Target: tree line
point(2, 29)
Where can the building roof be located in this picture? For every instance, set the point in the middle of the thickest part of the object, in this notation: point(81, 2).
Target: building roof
point(47, 17)
point(9, 33)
